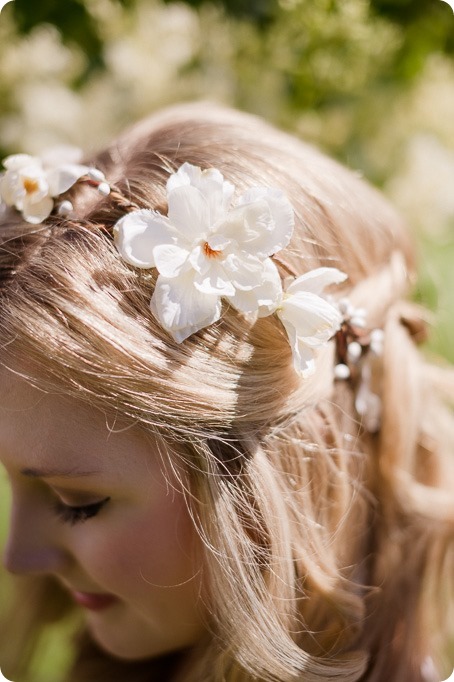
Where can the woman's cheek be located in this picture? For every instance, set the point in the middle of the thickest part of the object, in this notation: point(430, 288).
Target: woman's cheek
point(157, 547)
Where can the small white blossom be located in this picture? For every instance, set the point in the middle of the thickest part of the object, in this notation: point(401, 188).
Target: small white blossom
point(310, 320)
point(206, 250)
point(30, 183)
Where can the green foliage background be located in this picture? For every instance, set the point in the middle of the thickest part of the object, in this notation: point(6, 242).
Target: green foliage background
point(370, 81)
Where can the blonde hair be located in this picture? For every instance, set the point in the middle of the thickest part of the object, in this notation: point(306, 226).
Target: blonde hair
point(326, 545)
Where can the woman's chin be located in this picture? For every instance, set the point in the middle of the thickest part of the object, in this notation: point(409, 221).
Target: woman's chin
point(128, 643)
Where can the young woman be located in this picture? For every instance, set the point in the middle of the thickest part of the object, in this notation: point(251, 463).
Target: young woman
point(223, 445)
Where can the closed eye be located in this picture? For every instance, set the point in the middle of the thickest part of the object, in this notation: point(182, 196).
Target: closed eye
point(73, 515)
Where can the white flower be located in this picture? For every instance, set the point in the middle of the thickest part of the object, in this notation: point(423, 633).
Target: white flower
point(31, 183)
point(205, 250)
point(309, 320)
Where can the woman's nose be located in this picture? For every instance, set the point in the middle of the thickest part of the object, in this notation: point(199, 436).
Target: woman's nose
point(27, 560)
point(33, 544)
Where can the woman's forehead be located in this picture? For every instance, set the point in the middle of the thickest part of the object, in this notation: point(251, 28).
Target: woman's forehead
point(25, 393)
point(42, 429)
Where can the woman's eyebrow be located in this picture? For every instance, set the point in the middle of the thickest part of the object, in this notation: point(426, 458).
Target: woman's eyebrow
point(57, 473)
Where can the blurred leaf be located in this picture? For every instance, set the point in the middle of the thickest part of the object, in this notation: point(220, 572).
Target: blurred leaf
point(428, 26)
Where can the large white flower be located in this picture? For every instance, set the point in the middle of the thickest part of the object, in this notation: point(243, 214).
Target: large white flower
point(30, 183)
point(309, 319)
point(205, 250)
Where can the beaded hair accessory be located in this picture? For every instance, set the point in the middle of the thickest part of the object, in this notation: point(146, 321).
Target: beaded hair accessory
point(209, 248)
point(358, 351)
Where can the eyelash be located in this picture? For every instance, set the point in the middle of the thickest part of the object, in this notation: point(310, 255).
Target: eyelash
point(73, 515)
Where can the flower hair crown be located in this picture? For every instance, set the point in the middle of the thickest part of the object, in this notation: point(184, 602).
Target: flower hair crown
point(210, 248)
point(207, 249)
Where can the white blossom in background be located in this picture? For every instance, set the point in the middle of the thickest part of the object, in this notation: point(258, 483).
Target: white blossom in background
point(38, 71)
point(40, 54)
point(413, 144)
point(144, 64)
point(51, 113)
point(145, 50)
point(432, 101)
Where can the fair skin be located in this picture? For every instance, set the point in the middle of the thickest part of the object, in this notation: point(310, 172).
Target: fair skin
point(129, 555)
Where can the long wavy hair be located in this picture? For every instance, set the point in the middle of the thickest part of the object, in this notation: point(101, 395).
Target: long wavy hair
point(328, 549)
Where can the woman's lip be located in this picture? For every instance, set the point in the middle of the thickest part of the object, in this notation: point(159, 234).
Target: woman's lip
point(94, 602)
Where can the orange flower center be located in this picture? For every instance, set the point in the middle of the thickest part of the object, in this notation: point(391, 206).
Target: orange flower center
point(209, 252)
point(30, 185)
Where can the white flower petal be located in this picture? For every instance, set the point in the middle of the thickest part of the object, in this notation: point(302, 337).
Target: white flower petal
point(62, 178)
point(217, 202)
point(255, 229)
point(244, 301)
point(60, 155)
point(214, 281)
point(170, 259)
point(274, 227)
point(198, 260)
point(8, 188)
point(265, 297)
point(138, 233)
point(245, 271)
point(27, 183)
point(309, 320)
point(37, 211)
point(303, 356)
point(314, 319)
point(218, 242)
point(17, 161)
point(181, 308)
point(316, 280)
point(211, 184)
point(32, 184)
point(187, 174)
point(244, 224)
point(189, 213)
